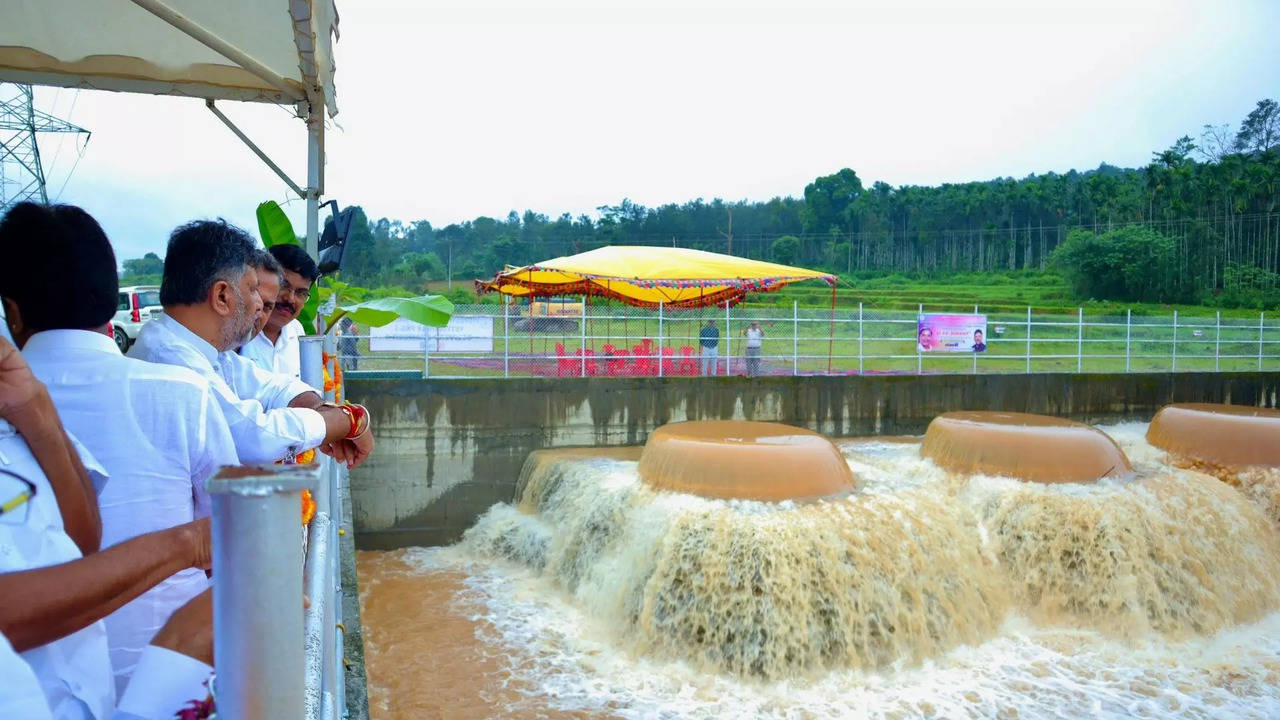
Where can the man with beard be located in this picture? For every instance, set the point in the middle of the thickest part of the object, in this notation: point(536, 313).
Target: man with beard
point(210, 296)
point(275, 348)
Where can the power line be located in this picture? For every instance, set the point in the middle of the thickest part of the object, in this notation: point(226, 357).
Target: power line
point(22, 175)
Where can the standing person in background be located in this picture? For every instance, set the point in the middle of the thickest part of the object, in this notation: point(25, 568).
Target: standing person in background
point(348, 343)
point(755, 344)
point(270, 278)
point(709, 340)
point(279, 341)
point(166, 435)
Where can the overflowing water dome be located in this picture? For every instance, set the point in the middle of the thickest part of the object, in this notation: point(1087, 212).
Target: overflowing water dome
point(744, 460)
point(1003, 564)
point(1219, 436)
point(1029, 447)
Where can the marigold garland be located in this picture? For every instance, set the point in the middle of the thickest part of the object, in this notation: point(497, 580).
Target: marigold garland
point(332, 380)
point(308, 507)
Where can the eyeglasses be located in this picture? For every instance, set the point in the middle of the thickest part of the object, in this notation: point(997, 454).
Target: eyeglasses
point(300, 294)
point(15, 492)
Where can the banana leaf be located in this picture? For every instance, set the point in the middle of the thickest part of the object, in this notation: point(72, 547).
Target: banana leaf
point(433, 310)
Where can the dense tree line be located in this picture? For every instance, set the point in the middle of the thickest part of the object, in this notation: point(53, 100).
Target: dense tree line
point(1208, 205)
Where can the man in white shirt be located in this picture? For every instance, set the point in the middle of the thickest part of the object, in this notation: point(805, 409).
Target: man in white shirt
point(277, 348)
point(157, 429)
point(210, 297)
point(55, 598)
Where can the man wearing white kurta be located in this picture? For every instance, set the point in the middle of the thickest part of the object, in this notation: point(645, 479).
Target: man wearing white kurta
point(74, 672)
point(209, 293)
point(70, 678)
point(282, 356)
point(160, 433)
point(277, 348)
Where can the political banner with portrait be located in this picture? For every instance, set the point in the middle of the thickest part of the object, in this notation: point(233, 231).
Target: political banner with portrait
point(951, 333)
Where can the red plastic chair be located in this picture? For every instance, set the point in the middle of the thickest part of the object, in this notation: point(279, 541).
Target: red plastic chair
point(668, 361)
point(592, 364)
point(688, 366)
point(640, 365)
point(564, 365)
point(621, 361)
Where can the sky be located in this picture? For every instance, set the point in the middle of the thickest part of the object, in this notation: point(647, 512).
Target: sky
point(454, 109)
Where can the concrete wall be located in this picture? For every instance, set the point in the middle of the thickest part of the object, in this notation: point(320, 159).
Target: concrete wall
point(449, 449)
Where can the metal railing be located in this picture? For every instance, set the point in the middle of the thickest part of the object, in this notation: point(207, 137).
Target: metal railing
point(501, 341)
point(272, 657)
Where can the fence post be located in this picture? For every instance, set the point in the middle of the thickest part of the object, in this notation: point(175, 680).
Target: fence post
point(728, 341)
point(1262, 324)
point(1080, 339)
point(859, 338)
point(919, 357)
point(506, 338)
point(975, 354)
point(1028, 339)
point(1128, 331)
point(795, 338)
point(582, 349)
point(660, 338)
point(1217, 344)
point(1173, 361)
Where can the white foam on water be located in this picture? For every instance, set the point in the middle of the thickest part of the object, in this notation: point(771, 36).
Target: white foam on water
point(1151, 596)
point(1024, 672)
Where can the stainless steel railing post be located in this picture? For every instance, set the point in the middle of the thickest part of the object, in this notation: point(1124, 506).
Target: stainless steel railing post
point(257, 590)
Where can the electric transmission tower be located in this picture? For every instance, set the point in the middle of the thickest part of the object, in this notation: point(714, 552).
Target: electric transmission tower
point(21, 172)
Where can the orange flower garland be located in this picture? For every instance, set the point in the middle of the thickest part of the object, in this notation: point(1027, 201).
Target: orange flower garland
point(308, 503)
point(332, 380)
point(308, 507)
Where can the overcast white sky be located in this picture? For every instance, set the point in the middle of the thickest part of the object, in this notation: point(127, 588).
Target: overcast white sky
point(449, 110)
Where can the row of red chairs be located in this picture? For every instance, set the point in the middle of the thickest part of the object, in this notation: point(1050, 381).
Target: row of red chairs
point(640, 360)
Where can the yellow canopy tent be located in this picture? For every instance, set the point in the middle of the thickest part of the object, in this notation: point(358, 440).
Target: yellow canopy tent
point(676, 278)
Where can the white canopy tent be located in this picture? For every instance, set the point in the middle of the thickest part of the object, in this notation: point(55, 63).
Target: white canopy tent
point(274, 51)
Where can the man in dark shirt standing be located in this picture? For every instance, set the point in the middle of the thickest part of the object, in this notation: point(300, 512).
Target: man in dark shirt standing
point(709, 339)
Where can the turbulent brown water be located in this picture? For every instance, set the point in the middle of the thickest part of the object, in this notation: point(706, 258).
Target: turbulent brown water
point(922, 594)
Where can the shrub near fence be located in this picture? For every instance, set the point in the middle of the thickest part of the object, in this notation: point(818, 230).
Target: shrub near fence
point(627, 341)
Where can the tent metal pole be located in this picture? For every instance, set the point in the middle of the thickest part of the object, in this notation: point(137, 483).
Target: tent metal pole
point(253, 146)
point(207, 38)
point(315, 178)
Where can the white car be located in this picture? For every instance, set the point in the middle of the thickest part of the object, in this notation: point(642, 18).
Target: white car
point(135, 307)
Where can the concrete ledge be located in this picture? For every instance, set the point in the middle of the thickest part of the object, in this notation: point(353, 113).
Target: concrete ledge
point(449, 449)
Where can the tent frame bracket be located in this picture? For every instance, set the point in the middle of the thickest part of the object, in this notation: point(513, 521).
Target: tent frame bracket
point(252, 146)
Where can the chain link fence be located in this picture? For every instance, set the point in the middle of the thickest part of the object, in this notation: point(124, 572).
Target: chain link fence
point(581, 340)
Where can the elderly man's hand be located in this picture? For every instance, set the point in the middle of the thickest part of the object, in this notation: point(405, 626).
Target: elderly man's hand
point(350, 452)
point(21, 394)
